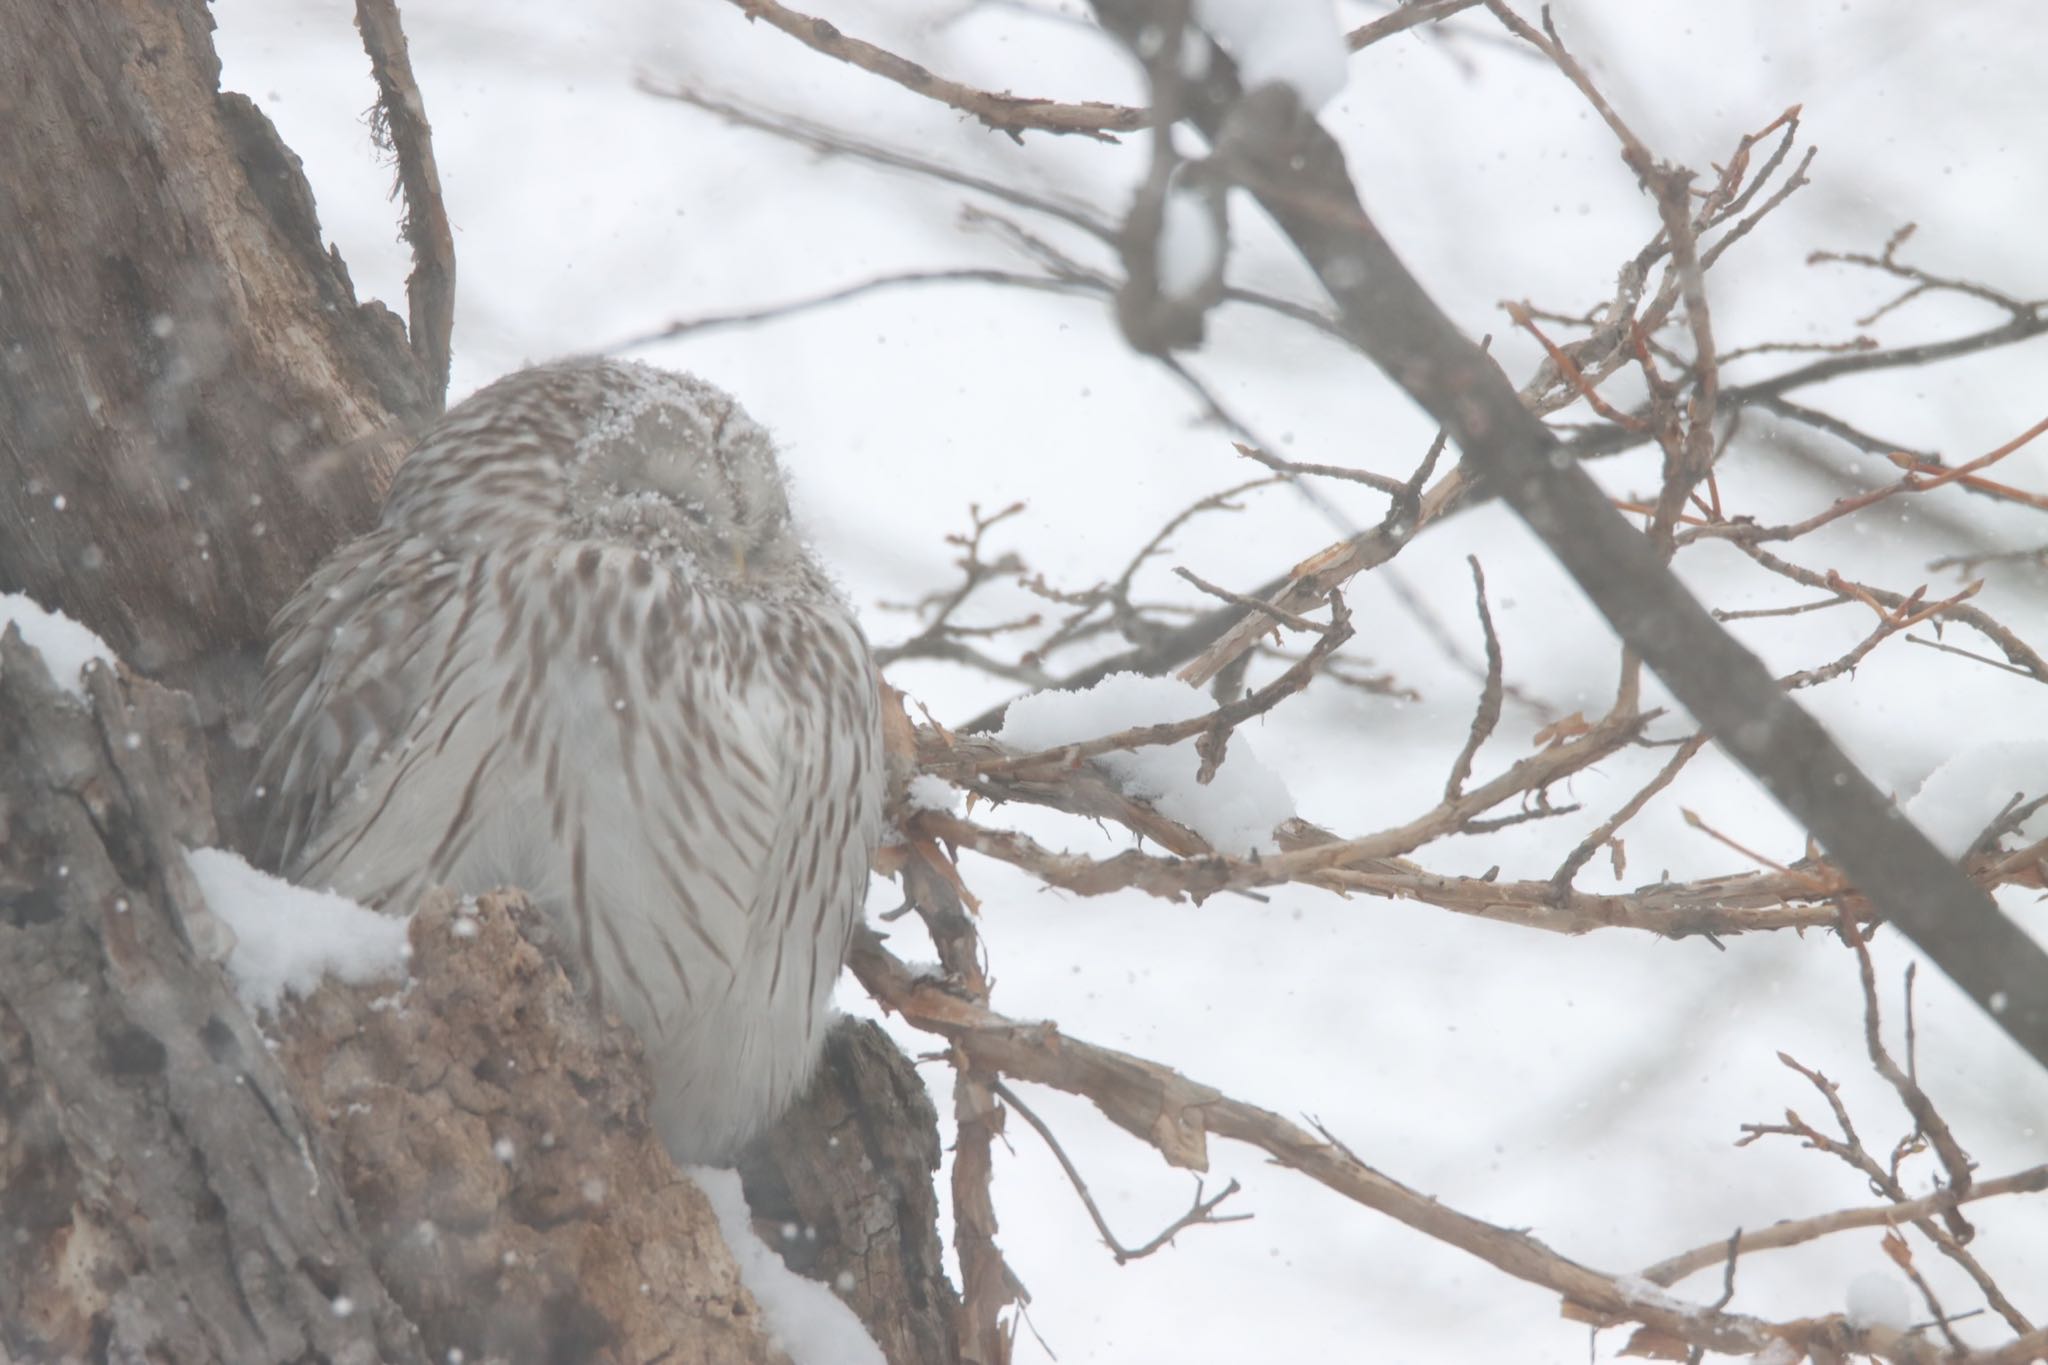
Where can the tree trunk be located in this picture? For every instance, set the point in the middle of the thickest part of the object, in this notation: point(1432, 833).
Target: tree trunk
point(193, 398)
point(194, 410)
point(164, 1198)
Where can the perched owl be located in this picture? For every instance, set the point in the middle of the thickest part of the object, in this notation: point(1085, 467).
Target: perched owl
point(586, 653)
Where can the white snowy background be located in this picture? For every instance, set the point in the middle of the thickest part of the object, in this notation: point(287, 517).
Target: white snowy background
point(1589, 1090)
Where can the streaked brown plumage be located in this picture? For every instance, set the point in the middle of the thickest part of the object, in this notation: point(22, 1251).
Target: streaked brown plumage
point(585, 653)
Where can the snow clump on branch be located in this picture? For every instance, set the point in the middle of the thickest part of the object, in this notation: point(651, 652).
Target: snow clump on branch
point(1236, 811)
point(1296, 43)
point(66, 646)
point(287, 939)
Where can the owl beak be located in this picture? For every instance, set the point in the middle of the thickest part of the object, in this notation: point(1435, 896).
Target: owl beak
point(739, 561)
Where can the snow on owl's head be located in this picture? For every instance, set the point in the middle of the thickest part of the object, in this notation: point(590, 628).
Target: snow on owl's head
point(672, 464)
point(614, 453)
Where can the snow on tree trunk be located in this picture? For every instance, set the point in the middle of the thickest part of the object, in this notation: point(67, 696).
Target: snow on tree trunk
point(195, 410)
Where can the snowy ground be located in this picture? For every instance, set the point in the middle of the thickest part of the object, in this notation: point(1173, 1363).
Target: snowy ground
point(1588, 1090)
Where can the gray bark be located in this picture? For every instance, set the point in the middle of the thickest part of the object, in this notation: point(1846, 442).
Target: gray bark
point(194, 410)
point(165, 1198)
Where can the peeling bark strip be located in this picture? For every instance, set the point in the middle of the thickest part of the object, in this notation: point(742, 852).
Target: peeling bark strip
point(164, 1199)
point(401, 121)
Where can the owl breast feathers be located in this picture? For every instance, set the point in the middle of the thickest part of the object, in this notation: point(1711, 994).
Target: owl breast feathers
point(585, 653)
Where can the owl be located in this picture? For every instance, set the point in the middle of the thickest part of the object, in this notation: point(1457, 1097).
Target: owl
point(586, 653)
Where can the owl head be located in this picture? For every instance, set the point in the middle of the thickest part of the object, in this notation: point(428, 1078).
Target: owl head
point(671, 465)
point(611, 452)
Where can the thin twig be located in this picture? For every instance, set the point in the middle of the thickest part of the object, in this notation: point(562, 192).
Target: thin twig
point(1202, 1210)
point(1253, 604)
point(1404, 17)
point(1011, 114)
point(1568, 870)
point(2019, 652)
point(1224, 717)
point(748, 317)
point(1014, 114)
point(1799, 1231)
point(1393, 487)
point(1927, 1120)
point(1488, 713)
point(1176, 1116)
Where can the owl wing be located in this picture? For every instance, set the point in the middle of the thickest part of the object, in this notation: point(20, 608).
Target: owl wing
point(343, 679)
point(829, 796)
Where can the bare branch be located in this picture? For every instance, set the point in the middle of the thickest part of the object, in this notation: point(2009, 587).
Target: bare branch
point(1200, 1212)
point(1324, 572)
point(1629, 809)
point(1223, 719)
point(1392, 487)
point(1850, 1150)
point(830, 141)
point(2019, 652)
point(748, 317)
point(1176, 1116)
point(1488, 714)
point(1297, 172)
point(1406, 14)
point(1006, 113)
point(1799, 1231)
point(1015, 114)
point(402, 119)
point(1927, 1120)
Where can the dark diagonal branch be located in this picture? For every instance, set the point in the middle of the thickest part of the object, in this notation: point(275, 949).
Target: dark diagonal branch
point(1298, 174)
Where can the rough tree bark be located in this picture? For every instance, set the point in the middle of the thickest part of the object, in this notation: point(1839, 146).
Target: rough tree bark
point(194, 409)
point(852, 1168)
point(188, 372)
point(493, 1139)
point(163, 1196)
